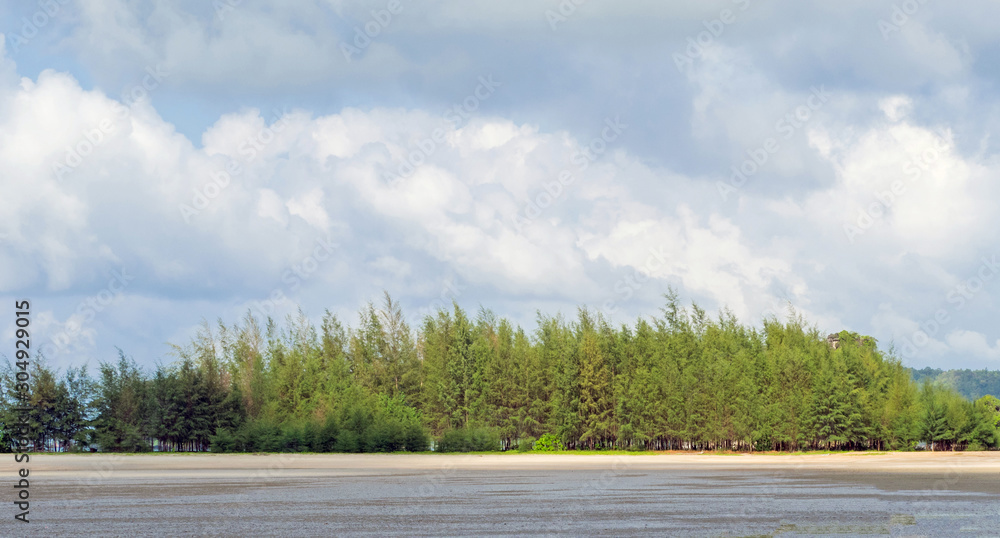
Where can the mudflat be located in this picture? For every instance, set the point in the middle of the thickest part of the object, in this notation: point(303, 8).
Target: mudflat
point(920, 493)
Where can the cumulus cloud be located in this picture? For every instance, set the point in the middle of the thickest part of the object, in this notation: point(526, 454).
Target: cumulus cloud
point(263, 145)
point(974, 343)
point(204, 212)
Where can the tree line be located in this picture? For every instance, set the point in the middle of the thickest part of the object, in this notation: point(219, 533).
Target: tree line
point(973, 384)
point(681, 380)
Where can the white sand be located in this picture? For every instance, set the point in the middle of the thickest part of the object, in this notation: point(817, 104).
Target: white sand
point(205, 465)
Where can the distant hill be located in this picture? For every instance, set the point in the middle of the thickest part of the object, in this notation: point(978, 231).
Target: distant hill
point(972, 384)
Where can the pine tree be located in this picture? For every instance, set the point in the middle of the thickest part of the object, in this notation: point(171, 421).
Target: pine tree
point(682, 380)
point(596, 399)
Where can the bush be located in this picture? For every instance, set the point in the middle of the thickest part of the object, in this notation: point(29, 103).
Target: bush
point(526, 444)
point(416, 438)
point(363, 424)
point(309, 432)
point(383, 437)
point(380, 424)
point(453, 441)
point(484, 439)
point(292, 439)
point(762, 442)
point(326, 437)
point(260, 437)
point(222, 441)
point(133, 441)
point(469, 440)
point(548, 443)
point(347, 441)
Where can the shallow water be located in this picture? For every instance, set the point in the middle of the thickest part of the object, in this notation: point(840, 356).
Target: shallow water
point(614, 498)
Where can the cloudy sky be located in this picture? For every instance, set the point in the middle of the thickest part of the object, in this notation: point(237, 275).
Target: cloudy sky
point(167, 162)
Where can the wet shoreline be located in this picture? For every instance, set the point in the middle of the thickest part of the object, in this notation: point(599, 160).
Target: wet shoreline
point(531, 494)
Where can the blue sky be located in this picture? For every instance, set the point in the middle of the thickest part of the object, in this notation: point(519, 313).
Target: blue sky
point(167, 162)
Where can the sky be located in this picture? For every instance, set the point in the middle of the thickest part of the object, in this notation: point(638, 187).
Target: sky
point(164, 163)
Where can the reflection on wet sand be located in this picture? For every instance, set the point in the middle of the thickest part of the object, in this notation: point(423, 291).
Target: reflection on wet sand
point(432, 495)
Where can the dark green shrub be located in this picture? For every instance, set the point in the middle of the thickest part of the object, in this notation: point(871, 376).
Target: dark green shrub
point(484, 439)
point(526, 444)
point(453, 441)
point(347, 441)
point(262, 437)
point(469, 440)
point(292, 439)
point(222, 441)
point(309, 432)
point(382, 436)
point(326, 437)
point(415, 438)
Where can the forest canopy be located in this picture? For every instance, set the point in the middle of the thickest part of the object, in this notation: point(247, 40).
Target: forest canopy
point(681, 380)
point(973, 384)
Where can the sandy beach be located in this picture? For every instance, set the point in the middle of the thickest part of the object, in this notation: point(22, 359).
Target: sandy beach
point(195, 465)
point(515, 494)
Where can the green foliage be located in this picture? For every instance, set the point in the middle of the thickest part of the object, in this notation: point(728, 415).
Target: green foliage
point(972, 384)
point(469, 440)
point(326, 437)
point(679, 380)
point(292, 439)
point(526, 445)
point(984, 430)
point(223, 441)
point(989, 405)
point(364, 425)
point(548, 443)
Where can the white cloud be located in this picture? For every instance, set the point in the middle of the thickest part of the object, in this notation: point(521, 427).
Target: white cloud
point(270, 205)
point(456, 207)
point(309, 206)
point(394, 267)
point(263, 186)
point(896, 107)
point(906, 188)
point(975, 343)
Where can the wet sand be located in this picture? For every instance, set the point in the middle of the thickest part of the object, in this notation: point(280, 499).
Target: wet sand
point(913, 494)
